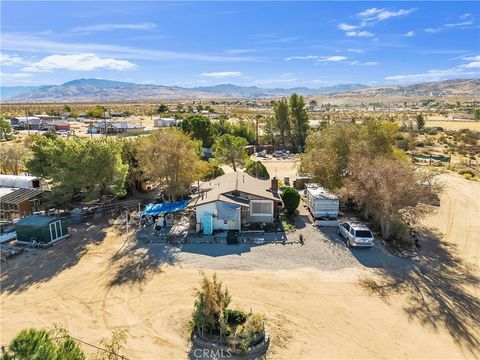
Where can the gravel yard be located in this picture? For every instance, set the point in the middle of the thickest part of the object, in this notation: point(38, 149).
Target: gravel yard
point(323, 249)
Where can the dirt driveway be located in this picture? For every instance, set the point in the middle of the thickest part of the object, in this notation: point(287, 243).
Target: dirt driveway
point(458, 219)
point(322, 300)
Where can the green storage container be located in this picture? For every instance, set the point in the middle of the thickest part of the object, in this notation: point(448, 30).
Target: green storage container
point(43, 229)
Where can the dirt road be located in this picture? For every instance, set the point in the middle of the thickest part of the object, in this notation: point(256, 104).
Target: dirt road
point(458, 218)
point(428, 310)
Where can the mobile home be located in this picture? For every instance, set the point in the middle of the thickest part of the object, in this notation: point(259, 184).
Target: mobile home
point(320, 202)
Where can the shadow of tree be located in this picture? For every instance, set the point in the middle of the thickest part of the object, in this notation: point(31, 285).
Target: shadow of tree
point(440, 288)
point(137, 260)
point(41, 265)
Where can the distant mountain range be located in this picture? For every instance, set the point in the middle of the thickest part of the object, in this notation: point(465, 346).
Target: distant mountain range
point(459, 87)
point(91, 90)
point(96, 90)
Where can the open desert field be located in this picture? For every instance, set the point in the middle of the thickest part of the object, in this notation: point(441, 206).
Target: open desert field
point(322, 300)
point(453, 125)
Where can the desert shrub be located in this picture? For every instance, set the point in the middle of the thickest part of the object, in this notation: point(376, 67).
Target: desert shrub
point(468, 176)
point(235, 316)
point(291, 199)
point(431, 131)
point(257, 169)
point(469, 172)
point(254, 324)
point(403, 144)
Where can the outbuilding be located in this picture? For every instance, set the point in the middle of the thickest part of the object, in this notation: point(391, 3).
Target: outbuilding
point(42, 229)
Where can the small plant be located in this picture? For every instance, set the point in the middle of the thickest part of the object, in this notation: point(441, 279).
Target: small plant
point(291, 199)
point(211, 319)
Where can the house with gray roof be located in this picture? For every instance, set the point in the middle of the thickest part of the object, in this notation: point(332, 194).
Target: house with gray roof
point(235, 201)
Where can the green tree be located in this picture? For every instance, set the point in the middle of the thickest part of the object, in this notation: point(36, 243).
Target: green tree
point(282, 121)
point(223, 126)
point(77, 165)
point(97, 112)
point(420, 121)
point(12, 157)
point(330, 150)
point(32, 344)
point(269, 130)
point(5, 128)
point(257, 169)
point(210, 307)
point(312, 105)
point(476, 114)
point(130, 156)
point(245, 130)
point(291, 199)
point(200, 128)
point(231, 150)
point(389, 189)
point(299, 120)
point(172, 159)
point(162, 108)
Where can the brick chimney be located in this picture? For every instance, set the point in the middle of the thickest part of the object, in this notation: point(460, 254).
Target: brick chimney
point(274, 186)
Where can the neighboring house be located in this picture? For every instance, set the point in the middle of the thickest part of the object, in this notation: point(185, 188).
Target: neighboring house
point(16, 203)
point(234, 200)
point(55, 125)
point(40, 123)
point(30, 122)
point(19, 195)
point(48, 117)
point(117, 127)
point(164, 122)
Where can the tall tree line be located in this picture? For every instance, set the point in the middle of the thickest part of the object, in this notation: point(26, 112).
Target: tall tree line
point(291, 121)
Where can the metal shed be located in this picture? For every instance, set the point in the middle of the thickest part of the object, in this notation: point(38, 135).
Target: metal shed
point(42, 229)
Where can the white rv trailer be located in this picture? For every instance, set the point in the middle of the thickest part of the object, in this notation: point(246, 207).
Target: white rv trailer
point(320, 202)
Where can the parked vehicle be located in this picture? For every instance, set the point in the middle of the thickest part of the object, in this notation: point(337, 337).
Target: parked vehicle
point(320, 202)
point(356, 234)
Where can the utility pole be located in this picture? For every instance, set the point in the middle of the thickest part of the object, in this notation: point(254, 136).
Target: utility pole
point(26, 118)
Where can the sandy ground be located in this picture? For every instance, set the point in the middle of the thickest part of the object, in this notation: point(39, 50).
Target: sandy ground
point(454, 125)
point(458, 219)
point(369, 305)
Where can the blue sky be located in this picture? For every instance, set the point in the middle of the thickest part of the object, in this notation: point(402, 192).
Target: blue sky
point(267, 44)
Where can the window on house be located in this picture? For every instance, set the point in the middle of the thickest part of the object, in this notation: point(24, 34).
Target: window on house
point(261, 207)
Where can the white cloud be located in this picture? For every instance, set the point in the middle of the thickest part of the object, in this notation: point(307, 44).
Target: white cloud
point(78, 62)
point(472, 65)
point(335, 58)
point(240, 51)
point(358, 51)
point(410, 33)
point(365, 63)
point(14, 75)
point(374, 14)
point(432, 75)
point(16, 42)
point(476, 58)
point(465, 16)
point(359, 34)
point(111, 27)
point(459, 24)
point(308, 57)
point(347, 27)
point(12, 59)
point(222, 74)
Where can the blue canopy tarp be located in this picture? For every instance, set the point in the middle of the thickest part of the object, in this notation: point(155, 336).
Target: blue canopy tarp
point(165, 208)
